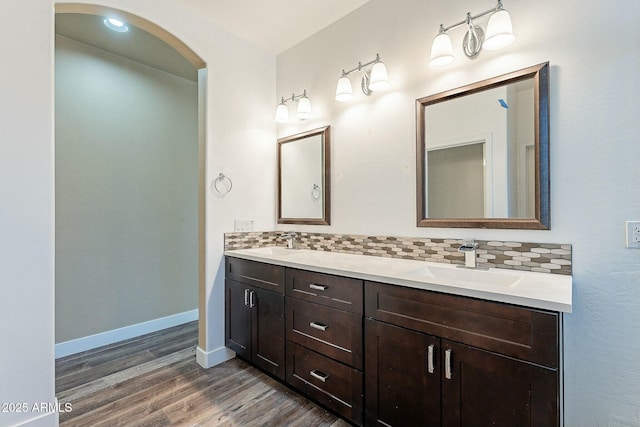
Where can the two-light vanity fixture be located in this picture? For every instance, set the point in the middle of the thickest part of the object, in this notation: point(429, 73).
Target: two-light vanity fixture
point(499, 34)
point(303, 112)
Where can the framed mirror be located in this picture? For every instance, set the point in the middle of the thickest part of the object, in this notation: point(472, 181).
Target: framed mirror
point(304, 184)
point(483, 153)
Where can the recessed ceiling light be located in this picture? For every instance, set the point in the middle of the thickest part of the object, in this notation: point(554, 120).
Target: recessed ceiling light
point(116, 25)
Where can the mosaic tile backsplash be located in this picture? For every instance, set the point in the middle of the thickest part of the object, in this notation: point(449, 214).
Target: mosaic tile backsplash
point(539, 257)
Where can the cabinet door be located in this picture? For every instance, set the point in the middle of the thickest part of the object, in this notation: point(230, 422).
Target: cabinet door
point(267, 312)
point(237, 318)
point(400, 390)
point(486, 389)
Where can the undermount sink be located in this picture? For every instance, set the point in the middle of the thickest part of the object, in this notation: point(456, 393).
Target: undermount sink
point(274, 250)
point(466, 275)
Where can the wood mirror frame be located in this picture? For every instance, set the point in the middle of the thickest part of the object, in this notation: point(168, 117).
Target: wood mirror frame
point(540, 76)
point(325, 135)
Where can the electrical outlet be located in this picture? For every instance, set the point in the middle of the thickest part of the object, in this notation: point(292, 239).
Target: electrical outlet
point(633, 234)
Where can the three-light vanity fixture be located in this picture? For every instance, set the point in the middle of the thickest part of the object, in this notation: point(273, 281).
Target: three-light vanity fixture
point(373, 80)
point(303, 112)
point(499, 34)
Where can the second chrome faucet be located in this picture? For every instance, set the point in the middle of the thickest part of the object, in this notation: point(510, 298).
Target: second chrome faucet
point(469, 249)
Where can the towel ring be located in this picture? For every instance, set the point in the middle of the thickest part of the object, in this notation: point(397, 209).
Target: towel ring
point(316, 192)
point(222, 184)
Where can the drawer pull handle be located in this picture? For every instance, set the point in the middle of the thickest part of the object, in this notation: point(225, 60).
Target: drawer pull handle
point(319, 375)
point(318, 326)
point(246, 297)
point(252, 302)
point(447, 364)
point(430, 366)
point(318, 287)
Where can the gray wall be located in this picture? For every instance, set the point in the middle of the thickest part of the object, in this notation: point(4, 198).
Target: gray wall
point(126, 192)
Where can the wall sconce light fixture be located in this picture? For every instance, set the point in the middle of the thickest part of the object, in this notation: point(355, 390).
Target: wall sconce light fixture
point(499, 34)
point(373, 80)
point(303, 112)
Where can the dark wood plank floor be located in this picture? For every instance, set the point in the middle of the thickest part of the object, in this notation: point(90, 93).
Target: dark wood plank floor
point(154, 380)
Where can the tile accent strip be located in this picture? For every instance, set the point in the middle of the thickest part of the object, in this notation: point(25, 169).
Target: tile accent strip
point(539, 257)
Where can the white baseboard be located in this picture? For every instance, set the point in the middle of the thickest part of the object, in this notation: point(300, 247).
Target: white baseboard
point(48, 419)
point(109, 337)
point(214, 357)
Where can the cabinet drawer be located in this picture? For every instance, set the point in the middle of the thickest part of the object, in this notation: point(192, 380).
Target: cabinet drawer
point(258, 274)
point(334, 333)
point(338, 292)
point(333, 384)
point(515, 331)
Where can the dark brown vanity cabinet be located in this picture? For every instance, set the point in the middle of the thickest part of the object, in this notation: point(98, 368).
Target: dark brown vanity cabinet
point(325, 340)
point(501, 370)
point(387, 355)
point(254, 313)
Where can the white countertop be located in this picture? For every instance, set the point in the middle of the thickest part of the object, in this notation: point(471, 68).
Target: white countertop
point(536, 290)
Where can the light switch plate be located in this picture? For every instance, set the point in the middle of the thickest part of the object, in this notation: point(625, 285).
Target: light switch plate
point(633, 234)
point(243, 225)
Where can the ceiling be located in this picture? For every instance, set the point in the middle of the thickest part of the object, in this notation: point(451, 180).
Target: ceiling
point(136, 44)
point(273, 26)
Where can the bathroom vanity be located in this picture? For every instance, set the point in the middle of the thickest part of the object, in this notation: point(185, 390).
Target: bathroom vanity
point(396, 342)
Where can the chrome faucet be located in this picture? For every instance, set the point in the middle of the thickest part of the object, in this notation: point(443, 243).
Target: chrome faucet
point(290, 237)
point(469, 249)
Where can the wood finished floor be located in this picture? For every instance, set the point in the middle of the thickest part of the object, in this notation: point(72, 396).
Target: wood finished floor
point(154, 380)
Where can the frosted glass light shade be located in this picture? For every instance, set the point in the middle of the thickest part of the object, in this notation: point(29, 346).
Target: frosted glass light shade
point(344, 92)
point(499, 31)
point(441, 51)
point(378, 80)
point(282, 114)
point(304, 108)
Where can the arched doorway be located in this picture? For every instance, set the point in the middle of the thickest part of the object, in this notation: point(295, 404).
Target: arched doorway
point(197, 62)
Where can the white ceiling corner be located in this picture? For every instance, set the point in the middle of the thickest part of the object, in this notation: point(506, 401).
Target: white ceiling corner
point(275, 25)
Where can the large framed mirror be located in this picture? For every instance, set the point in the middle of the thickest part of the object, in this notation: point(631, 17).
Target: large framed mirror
point(304, 184)
point(483, 153)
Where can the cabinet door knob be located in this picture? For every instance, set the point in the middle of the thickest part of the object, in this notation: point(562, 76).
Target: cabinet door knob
point(447, 364)
point(319, 375)
point(430, 365)
point(319, 326)
point(318, 287)
point(246, 297)
point(252, 302)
